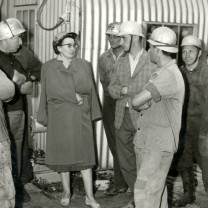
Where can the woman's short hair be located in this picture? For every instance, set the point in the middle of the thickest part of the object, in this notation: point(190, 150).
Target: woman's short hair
point(58, 39)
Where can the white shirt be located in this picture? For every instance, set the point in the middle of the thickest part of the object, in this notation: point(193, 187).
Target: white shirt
point(134, 62)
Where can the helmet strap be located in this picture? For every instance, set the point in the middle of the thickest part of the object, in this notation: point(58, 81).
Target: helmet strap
point(130, 43)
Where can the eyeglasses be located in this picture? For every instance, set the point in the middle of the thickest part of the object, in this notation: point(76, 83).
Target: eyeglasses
point(70, 45)
point(112, 37)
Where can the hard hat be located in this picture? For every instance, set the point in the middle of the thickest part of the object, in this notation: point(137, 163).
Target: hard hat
point(113, 28)
point(130, 28)
point(5, 32)
point(15, 26)
point(191, 40)
point(10, 28)
point(165, 39)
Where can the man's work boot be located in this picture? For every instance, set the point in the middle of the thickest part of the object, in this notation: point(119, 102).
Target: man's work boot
point(187, 198)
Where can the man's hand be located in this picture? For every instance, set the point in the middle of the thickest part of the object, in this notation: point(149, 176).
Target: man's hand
point(124, 90)
point(18, 78)
point(26, 88)
point(33, 77)
point(79, 99)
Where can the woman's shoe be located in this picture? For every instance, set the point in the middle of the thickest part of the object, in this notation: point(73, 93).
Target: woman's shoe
point(65, 200)
point(89, 203)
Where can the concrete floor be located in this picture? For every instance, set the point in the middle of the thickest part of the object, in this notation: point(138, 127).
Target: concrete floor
point(39, 200)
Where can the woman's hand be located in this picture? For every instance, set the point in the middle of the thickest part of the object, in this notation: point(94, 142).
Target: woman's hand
point(79, 99)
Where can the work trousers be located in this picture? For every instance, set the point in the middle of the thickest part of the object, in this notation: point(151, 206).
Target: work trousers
point(16, 121)
point(108, 122)
point(150, 189)
point(125, 148)
point(194, 149)
point(7, 190)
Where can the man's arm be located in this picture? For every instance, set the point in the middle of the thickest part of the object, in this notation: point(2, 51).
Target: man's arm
point(18, 78)
point(141, 101)
point(7, 88)
point(115, 89)
point(30, 63)
point(203, 133)
point(102, 75)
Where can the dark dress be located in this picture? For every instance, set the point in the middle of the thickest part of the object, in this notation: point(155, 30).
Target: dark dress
point(69, 144)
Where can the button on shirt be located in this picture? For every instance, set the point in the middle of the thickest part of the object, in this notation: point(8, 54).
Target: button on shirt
point(161, 123)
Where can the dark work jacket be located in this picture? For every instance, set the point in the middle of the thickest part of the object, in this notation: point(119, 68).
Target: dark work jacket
point(196, 96)
point(7, 64)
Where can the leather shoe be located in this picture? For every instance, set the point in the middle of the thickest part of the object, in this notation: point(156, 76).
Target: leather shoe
point(184, 200)
point(114, 191)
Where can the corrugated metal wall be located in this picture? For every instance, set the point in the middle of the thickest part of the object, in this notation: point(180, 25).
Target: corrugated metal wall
point(96, 14)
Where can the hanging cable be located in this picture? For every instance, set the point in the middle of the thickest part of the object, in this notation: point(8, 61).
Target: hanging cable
point(59, 22)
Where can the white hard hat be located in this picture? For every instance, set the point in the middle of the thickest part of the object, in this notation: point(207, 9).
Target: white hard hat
point(113, 28)
point(10, 28)
point(16, 26)
point(5, 32)
point(191, 40)
point(165, 39)
point(130, 28)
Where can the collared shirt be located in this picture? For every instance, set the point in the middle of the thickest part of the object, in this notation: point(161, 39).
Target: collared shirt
point(134, 61)
point(196, 102)
point(106, 68)
point(159, 127)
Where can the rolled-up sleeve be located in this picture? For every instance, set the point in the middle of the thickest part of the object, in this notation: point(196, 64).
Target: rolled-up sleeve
point(162, 85)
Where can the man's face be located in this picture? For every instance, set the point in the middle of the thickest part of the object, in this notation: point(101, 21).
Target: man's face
point(11, 45)
point(126, 42)
point(114, 41)
point(190, 54)
point(153, 53)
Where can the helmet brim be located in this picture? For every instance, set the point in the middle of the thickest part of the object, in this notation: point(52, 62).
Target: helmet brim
point(163, 46)
point(137, 34)
point(111, 33)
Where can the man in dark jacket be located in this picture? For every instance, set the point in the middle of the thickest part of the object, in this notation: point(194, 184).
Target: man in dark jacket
point(195, 117)
point(10, 42)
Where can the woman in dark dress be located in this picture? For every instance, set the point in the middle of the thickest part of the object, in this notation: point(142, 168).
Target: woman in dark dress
point(68, 104)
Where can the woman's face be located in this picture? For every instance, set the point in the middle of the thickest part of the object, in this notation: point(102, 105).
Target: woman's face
point(68, 48)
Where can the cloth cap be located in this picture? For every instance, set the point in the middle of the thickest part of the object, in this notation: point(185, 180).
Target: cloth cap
point(62, 35)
